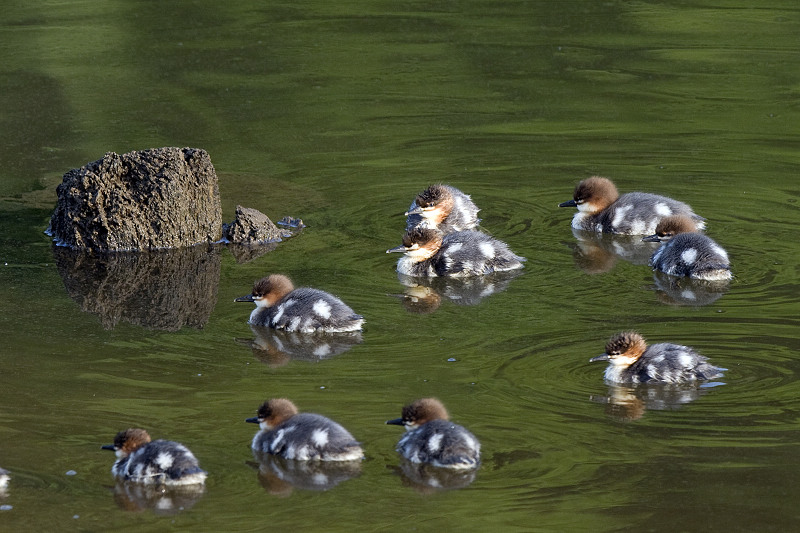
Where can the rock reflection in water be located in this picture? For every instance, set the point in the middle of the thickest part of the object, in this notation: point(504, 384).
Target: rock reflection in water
point(687, 291)
point(425, 295)
point(244, 253)
point(281, 476)
point(596, 253)
point(164, 290)
point(157, 498)
point(276, 348)
point(426, 478)
point(627, 403)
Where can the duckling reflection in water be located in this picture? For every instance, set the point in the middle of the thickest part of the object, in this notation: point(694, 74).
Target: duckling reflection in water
point(631, 360)
point(276, 348)
point(687, 253)
point(279, 305)
point(687, 291)
point(281, 476)
point(628, 403)
point(425, 294)
point(429, 252)
point(602, 209)
point(444, 208)
point(162, 501)
point(597, 253)
point(428, 479)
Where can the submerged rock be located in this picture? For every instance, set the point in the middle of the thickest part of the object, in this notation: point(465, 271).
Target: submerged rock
point(252, 227)
point(146, 200)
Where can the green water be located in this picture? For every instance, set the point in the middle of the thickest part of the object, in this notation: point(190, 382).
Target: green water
point(339, 113)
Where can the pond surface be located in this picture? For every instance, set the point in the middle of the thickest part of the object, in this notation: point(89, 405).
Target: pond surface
point(339, 113)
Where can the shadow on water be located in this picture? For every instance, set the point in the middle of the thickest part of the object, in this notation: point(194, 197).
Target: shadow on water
point(162, 290)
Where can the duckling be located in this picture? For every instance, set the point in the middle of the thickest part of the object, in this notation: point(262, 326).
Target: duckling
point(431, 438)
point(444, 208)
point(601, 208)
point(429, 252)
point(160, 462)
point(279, 305)
point(631, 360)
point(686, 253)
point(287, 433)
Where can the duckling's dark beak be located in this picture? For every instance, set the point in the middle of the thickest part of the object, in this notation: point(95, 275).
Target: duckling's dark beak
point(570, 203)
point(248, 298)
point(253, 420)
point(400, 248)
point(107, 447)
point(396, 422)
point(651, 238)
point(416, 211)
point(603, 357)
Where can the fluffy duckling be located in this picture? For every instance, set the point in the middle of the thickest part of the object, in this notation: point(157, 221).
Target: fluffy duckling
point(431, 438)
point(631, 360)
point(444, 208)
point(287, 433)
point(429, 252)
point(280, 306)
point(686, 253)
point(160, 462)
point(602, 209)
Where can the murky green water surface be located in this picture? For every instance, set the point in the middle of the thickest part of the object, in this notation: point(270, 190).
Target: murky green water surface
point(339, 113)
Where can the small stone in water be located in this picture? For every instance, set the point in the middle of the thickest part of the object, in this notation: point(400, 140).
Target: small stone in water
point(451, 360)
point(71, 473)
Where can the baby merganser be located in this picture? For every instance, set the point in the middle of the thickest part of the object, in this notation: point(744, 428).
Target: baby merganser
point(631, 360)
point(432, 438)
point(429, 252)
point(686, 253)
point(601, 208)
point(160, 462)
point(442, 207)
point(301, 436)
point(279, 305)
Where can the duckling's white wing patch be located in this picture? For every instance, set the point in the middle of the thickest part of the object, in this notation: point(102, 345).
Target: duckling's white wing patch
point(619, 215)
point(322, 308)
point(689, 256)
point(487, 249)
point(164, 460)
point(435, 443)
point(662, 209)
point(320, 437)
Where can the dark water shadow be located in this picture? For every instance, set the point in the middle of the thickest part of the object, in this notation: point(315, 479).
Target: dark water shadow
point(627, 403)
point(281, 476)
point(427, 479)
point(162, 290)
point(424, 295)
point(160, 499)
point(276, 348)
point(687, 291)
point(596, 253)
